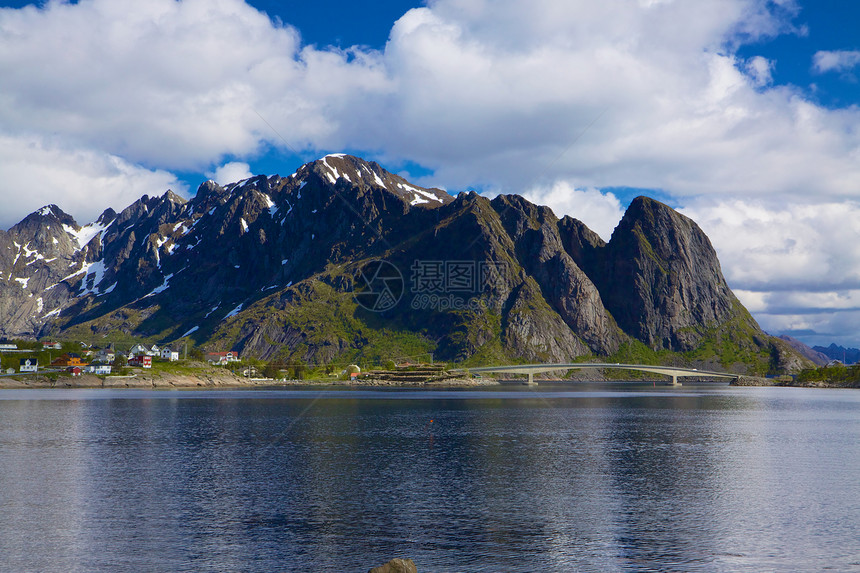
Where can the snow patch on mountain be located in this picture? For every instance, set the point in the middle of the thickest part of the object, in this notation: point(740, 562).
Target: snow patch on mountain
point(86, 233)
point(234, 312)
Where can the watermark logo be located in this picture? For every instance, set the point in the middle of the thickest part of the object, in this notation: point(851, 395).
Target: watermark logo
point(378, 286)
point(434, 285)
point(454, 285)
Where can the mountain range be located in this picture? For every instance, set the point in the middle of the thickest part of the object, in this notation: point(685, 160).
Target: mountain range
point(344, 261)
point(840, 353)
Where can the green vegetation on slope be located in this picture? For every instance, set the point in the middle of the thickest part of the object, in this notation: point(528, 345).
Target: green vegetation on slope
point(836, 375)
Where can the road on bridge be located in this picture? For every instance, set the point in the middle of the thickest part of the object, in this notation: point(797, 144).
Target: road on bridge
point(673, 372)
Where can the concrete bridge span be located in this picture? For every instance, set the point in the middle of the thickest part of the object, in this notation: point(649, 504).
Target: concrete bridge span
point(531, 369)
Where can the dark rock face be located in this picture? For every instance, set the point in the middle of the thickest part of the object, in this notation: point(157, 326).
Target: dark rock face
point(660, 277)
point(266, 266)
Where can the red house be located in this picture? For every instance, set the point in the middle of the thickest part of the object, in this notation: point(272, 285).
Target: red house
point(141, 361)
point(75, 370)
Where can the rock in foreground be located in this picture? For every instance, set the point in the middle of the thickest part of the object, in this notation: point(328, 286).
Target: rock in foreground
point(396, 566)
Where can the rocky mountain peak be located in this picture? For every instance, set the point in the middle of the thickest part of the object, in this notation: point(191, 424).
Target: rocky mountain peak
point(661, 278)
point(358, 172)
point(106, 218)
point(47, 215)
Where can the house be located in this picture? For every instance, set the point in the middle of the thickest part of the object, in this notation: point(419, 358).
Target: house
point(29, 365)
point(104, 356)
point(52, 346)
point(168, 354)
point(139, 350)
point(68, 359)
point(74, 370)
point(154, 350)
point(222, 358)
point(143, 361)
point(98, 369)
point(5, 345)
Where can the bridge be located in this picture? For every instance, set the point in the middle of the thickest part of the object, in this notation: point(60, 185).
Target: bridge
point(531, 369)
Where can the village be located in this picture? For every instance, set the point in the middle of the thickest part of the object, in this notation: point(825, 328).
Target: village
point(78, 358)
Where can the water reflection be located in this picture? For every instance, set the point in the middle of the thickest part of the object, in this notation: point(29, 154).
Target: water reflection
point(597, 479)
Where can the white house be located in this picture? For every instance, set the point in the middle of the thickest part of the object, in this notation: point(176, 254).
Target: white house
point(222, 358)
point(98, 368)
point(104, 356)
point(139, 350)
point(29, 365)
point(168, 354)
point(154, 350)
point(8, 346)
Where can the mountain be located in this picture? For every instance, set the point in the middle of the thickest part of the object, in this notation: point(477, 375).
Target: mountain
point(813, 354)
point(840, 353)
point(343, 260)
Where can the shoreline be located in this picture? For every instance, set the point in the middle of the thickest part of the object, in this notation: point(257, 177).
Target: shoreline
point(224, 380)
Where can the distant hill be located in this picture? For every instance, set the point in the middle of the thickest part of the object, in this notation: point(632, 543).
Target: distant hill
point(813, 354)
point(835, 352)
point(269, 266)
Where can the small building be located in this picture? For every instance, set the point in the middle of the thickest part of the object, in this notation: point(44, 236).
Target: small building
point(104, 356)
point(68, 359)
point(139, 350)
point(52, 346)
point(144, 361)
point(222, 358)
point(5, 345)
point(154, 350)
point(74, 370)
point(168, 354)
point(29, 365)
point(102, 369)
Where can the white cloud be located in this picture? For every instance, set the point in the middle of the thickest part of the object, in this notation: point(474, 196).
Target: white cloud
point(35, 171)
point(835, 61)
point(601, 212)
point(759, 69)
point(231, 173)
point(795, 245)
point(795, 266)
point(615, 93)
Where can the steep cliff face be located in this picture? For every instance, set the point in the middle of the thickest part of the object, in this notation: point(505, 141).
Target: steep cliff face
point(268, 265)
point(660, 277)
point(539, 249)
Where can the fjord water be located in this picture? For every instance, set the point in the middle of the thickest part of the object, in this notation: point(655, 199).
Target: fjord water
point(558, 478)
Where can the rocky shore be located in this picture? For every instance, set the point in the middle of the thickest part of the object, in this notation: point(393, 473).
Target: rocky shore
point(789, 382)
point(214, 378)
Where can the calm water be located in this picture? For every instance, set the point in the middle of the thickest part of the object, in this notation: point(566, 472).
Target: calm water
point(599, 478)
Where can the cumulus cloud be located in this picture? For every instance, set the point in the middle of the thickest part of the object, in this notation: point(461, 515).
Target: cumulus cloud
point(36, 171)
point(759, 69)
point(615, 93)
point(796, 266)
point(231, 172)
point(644, 94)
point(835, 61)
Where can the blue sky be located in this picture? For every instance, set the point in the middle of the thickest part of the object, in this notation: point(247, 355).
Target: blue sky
point(743, 114)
